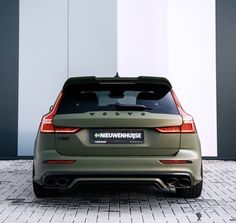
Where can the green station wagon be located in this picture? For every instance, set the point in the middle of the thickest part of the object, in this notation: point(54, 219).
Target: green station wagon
point(117, 129)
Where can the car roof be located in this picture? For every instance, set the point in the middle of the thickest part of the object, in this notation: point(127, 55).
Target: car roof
point(117, 80)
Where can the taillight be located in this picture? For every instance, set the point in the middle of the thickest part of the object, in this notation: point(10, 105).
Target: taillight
point(172, 129)
point(47, 126)
point(66, 129)
point(188, 125)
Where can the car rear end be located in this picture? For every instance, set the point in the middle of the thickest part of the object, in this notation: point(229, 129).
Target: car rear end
point(117, 129)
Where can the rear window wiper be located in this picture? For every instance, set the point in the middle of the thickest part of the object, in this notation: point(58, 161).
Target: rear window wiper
point(132, 107)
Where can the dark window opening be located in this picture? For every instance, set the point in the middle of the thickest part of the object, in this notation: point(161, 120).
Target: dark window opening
point(113, 97)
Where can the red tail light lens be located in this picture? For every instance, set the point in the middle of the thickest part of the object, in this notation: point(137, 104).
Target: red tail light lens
point(188, 125)
point(47, 126)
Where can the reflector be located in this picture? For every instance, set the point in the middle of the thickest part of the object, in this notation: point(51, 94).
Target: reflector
point(176, 161)
point(60, 161)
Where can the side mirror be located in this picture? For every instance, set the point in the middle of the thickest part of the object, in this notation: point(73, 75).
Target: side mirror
point(51, 107)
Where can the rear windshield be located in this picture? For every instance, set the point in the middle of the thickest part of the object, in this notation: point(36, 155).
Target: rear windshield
point(115, 97)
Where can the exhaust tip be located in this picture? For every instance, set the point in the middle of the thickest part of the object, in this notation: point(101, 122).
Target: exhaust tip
point(184, 182)
point(62, 181)
point(50, 182)
point(172, 181)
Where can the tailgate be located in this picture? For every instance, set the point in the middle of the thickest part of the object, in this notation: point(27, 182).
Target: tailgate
point(112, 122)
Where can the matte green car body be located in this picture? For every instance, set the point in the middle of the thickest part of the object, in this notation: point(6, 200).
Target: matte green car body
point(118, 162)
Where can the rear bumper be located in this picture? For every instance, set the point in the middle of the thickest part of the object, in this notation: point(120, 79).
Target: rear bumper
point(117, 169)
point(164, 181)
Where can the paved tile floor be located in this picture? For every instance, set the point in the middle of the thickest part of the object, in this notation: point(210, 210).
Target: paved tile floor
point(117, 203)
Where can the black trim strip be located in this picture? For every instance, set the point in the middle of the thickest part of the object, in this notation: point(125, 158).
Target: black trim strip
point(9, 45)
point(225, 77)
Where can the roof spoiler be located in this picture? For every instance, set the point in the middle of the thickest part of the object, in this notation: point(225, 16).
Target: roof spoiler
point(97, 80)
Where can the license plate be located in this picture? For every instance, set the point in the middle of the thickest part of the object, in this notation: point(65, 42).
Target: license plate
point(116, 136)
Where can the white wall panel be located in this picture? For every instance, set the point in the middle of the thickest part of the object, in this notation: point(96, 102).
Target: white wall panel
point(191, 59)
point(141, 37)
point(92, 37)
point(175, 39)
point(42, 64)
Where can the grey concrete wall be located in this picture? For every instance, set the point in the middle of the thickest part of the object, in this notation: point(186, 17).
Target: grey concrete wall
point(9, 38)
point(42, 64)
point(92, 29)
point(226, 77)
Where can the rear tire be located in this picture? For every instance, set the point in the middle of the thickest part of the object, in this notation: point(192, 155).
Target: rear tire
point(192, 192)
point(42, 192)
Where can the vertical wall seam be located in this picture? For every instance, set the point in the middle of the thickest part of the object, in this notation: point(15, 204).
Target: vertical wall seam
point(117, 33)
point(216, 92)
point(18, 80)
